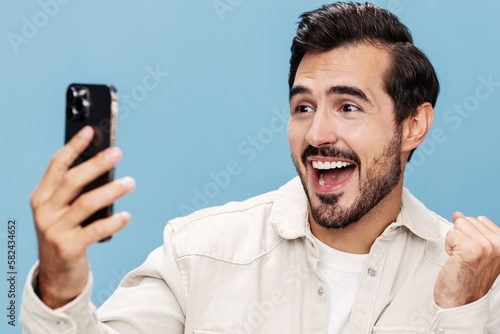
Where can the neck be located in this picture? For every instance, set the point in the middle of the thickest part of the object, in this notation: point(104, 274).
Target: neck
point(358, 237)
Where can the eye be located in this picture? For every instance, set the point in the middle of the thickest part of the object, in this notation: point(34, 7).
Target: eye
point(303, 109)
point(350, 108)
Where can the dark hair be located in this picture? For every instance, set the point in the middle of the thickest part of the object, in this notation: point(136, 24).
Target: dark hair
point(410, 80)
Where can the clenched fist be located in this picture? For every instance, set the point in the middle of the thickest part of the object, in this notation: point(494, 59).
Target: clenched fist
point(474, 264)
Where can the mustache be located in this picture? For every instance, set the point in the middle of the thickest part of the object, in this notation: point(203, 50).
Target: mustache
point(331, 152)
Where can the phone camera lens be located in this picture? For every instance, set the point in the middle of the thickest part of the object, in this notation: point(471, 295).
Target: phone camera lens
point(77, 104)
point(71, 94)
point(71, 113)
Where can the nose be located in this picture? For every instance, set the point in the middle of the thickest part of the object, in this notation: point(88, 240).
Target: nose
point(323, 129)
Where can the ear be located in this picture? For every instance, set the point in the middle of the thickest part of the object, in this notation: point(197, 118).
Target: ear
point(415, 127)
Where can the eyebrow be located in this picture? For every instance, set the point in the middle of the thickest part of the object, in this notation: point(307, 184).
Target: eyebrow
point(297, 90)
point(347, 90)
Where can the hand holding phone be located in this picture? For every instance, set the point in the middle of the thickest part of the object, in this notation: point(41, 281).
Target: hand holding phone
point(60, 207)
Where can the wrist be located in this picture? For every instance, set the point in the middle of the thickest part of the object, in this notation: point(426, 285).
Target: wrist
point(52, 294)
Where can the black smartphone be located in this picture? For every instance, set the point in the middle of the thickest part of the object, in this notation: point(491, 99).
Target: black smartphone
point(97, 106)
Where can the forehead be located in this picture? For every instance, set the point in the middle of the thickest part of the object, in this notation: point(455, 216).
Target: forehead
point(362, 65)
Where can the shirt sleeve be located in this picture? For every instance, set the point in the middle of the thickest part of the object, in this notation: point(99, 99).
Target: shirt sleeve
point(479, 317)
point(150, 299)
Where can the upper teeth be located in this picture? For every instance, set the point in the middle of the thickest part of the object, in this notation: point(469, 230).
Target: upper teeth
point(330, 165)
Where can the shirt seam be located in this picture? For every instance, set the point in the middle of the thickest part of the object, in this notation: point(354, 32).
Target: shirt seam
point(189, 221)
point(230, 261)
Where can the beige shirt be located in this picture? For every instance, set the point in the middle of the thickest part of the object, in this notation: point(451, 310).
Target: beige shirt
point(251, 267)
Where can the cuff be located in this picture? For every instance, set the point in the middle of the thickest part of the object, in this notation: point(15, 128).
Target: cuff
point(36, 317)
point(470, 318)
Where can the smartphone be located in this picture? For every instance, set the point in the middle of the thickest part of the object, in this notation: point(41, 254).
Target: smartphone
point(97, 106)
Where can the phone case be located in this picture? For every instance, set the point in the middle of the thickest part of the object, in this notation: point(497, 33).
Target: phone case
point(97, 106)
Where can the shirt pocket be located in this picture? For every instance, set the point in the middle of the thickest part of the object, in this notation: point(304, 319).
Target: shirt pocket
point(399, 330)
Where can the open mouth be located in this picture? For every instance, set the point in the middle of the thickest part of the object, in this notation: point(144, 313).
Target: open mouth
point(331, 175)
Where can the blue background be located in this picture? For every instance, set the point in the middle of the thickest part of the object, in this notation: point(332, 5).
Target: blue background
point(226, 84)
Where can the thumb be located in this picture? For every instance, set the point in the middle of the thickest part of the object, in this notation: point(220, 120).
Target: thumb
point(457, 215)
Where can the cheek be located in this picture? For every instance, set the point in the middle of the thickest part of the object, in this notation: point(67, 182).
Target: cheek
point(367, 142)
point(296, 135)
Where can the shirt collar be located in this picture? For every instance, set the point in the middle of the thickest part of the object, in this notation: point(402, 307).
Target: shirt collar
point(289, 214)
point(417, 218)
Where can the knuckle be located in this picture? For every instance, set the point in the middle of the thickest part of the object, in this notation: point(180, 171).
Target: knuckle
point(64, 157)
point(68, 180)
point(40, 217)
point(55, 159)
point(495, 240)
point(69, 151)
point(100, 228)
point(451, 233)
point(489, 249)
point(34, 200)
point(459, 223)
point(57, 165)
point(84, 203)
point(102, 161)
point(477, 251)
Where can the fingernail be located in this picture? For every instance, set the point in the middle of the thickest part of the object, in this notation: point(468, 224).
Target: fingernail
point(128, 182)
point(126, 216)
point(112, 153)
point(86, 132)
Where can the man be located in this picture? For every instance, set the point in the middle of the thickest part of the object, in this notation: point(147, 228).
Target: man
point(343, 248)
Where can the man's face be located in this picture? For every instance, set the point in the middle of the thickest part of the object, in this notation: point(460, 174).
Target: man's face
point(343, 138)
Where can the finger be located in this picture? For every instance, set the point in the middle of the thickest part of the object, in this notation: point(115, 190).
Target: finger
point(454, 238)
point(485, 227)
point(491, 225)
point(472, 228)
point(481, 226)
point(103, 228)
point(79, 176)
point(60, 163)
point(88, 203)
point(481, 241)
point(457, 215)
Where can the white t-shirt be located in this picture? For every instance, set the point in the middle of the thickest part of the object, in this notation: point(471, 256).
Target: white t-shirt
point(341, 272)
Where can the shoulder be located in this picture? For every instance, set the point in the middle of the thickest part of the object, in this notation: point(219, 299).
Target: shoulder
point(427, 225)
point(236, 232)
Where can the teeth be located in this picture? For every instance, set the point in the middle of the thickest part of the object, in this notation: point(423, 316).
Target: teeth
point(321, 179)
point(330, 165)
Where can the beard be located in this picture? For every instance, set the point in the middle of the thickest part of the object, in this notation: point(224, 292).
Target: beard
point(379, 180)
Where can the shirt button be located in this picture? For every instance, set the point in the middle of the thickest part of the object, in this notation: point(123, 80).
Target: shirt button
point(440, 331)
point(320, 291)
point(63, 326)
point(373, 272)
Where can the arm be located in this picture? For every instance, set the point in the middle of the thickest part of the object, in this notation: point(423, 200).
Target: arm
point(150, 299)
point(62, 243)
point(467, 291)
